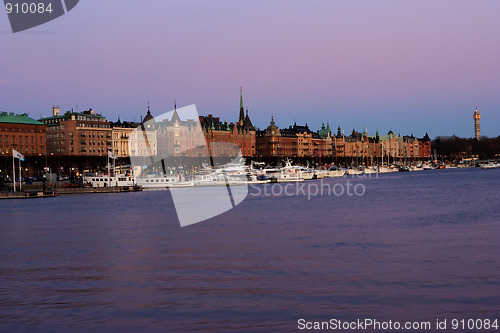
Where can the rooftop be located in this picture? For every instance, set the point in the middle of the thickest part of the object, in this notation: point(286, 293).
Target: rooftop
point(67, 115)
point(17, 119)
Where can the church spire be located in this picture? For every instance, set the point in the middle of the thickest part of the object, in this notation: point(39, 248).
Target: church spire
point(242, 111)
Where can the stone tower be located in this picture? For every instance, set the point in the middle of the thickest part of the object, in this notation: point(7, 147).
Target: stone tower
point(477, 128)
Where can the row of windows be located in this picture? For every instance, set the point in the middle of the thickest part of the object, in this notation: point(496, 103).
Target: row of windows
point(56, 143)
point(93, 142)
point(24, 150)
point(92, 125)
point(93, 135)
point(85, 118)
point(19, 139)
point(93, 150)
point(25, 130)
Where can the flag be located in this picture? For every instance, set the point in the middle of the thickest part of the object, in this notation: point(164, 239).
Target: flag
point(17, 154)
point(111, 155)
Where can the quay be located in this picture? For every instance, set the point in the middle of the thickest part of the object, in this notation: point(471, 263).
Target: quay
point(47, 193)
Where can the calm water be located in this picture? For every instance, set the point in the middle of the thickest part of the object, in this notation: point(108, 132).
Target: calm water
point(417, 246)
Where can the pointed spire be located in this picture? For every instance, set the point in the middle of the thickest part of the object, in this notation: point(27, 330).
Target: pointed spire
point(175, 116)
point(149, 117)
point(242, 111)
point(241, 97)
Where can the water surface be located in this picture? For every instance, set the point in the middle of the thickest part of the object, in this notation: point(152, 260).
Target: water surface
point(416, 246)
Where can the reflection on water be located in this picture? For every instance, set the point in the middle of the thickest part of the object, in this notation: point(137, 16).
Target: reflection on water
point(416, 246)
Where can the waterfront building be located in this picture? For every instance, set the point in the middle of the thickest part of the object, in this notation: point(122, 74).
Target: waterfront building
point(241, 133)
point(121, 132)
point(132, 143)
point(177, 137)
point(425, 146)
point(477, 129)
point(270, 142)
point(410, 147)
point(390, 146)
point(22, 133)
point(295, 141)
point(78, 133)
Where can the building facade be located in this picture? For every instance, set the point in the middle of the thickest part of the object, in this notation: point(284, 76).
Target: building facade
point(121, 132)
point(78, 133)
point(177, 137)
point(127, 141)
point(295, 141)
point(22, 133)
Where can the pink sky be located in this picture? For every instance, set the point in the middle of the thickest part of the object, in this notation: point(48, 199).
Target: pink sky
point(407, 66)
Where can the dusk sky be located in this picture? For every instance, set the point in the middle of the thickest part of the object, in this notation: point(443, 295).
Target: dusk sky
point(408, 66)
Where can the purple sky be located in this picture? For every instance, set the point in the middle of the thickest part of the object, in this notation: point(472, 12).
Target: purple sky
point(409, 66)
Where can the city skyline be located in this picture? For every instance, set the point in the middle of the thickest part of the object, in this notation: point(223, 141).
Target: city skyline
point(408, 67)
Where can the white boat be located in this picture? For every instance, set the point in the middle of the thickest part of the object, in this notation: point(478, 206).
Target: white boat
point(354, 172)
point(218, 179)
point(489, 165)
point(335, 173)
point(288, 173)
point(162, 182)
point(384, 169)
point(104, 180)
point(320, 174)
point(231, 169)
point(308, 175)
point(369, 171)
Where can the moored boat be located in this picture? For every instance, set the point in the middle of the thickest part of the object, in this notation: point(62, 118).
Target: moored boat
point(162, 182)
point(105, 180)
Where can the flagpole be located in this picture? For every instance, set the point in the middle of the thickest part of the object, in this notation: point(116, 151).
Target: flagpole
point(20, 177)
point(109, 175)
point(14, 170)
